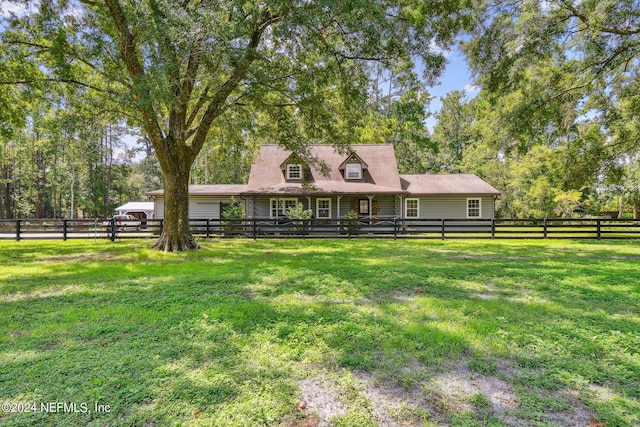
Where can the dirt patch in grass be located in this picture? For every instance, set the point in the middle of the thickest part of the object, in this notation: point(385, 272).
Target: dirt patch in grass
point(454, 391)
point(53, 292)
point(484, 296)
point(320, 402)
point(80, 258)
point(460, 384)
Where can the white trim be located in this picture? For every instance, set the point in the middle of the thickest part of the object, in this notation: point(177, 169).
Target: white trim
point(347, 172)
point(417, 208)
point(479, 207)
point(318, 208)
point(281, 208)
point(298, 167)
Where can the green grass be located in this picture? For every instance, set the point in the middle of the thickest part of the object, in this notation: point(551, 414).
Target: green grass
point(223, 336)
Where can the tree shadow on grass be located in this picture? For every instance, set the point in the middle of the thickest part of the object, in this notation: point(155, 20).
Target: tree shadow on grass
point(173, 340)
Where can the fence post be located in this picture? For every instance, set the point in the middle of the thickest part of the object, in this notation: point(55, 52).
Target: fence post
point(395, 228)
point(114, 230)
point(493, 228)
point(442, 228)
point(544, 224)
point(598, 229)
point(161, 225)
point(64, 229)
point(18, 230)
point(255, 228)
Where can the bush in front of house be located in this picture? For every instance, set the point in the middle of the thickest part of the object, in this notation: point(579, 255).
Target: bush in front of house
point(233, 213)
point(299, 216)
point(351, 223)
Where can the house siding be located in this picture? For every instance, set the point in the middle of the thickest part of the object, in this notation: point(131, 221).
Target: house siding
point(200, 207)
point(159, 206)
point(452, 207)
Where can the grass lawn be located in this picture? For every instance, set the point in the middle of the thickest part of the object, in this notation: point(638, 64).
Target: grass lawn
point(306, 332)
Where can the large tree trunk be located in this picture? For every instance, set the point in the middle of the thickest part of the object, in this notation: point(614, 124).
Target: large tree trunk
point(176, 236)
point(191, 112)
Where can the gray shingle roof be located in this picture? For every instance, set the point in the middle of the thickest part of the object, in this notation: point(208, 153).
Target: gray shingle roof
point(381, 176)
point(462, 183)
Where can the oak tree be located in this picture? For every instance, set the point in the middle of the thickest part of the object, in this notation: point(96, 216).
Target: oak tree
point(176, 67)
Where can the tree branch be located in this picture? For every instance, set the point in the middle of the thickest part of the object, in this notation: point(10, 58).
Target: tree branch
point(218, 100)
point(196, 109)
point(585, 20)
point(55, 80)
point(129, 55)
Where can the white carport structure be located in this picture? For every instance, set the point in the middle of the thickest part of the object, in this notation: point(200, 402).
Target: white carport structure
point(131, 208)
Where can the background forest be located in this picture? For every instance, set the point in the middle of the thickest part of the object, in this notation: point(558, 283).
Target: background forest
point(555, 126)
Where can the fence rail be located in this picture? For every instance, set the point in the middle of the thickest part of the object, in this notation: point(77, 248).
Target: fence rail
point(499, 228)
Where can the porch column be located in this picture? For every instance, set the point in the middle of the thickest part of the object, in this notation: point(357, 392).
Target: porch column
point(370, 207)
point(338, 211)
point(253, 206)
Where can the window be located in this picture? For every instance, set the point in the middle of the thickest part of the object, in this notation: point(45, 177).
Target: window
point(323, 208)
point(294, 171)
point(473, 208)
point(411, 208)
point(279, 206)
point(363, 207)
point(353, 171)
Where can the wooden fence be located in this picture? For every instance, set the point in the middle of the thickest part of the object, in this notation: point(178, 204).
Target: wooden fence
point(499, 228)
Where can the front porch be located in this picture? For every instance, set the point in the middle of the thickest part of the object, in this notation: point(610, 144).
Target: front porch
point(326, 207)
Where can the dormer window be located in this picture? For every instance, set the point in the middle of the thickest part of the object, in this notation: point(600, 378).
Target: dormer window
point(294, 172)
point(353, 171)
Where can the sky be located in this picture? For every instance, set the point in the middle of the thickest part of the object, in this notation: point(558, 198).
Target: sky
point(456, 76)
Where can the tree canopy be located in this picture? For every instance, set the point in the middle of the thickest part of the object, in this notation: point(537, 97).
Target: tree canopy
point(555, 126)
point(177, 67)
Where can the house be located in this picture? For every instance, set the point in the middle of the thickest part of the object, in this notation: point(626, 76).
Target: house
point(365, 180)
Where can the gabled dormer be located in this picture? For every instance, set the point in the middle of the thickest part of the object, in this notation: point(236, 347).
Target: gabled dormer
point(353, 168)
point(294, 169)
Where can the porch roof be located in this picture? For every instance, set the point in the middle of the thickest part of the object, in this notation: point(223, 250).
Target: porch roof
point(325, 187)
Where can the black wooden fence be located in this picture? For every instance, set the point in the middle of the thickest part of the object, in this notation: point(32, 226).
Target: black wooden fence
point(499, 228)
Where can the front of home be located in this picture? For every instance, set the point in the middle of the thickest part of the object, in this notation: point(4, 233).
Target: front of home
point(365, 181)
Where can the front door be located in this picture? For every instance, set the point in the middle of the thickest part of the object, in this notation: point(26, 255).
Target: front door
point(364, 207)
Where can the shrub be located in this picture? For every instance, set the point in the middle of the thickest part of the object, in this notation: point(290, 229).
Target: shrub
point(233, 212)
point(299, 215)
point(351, 223)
